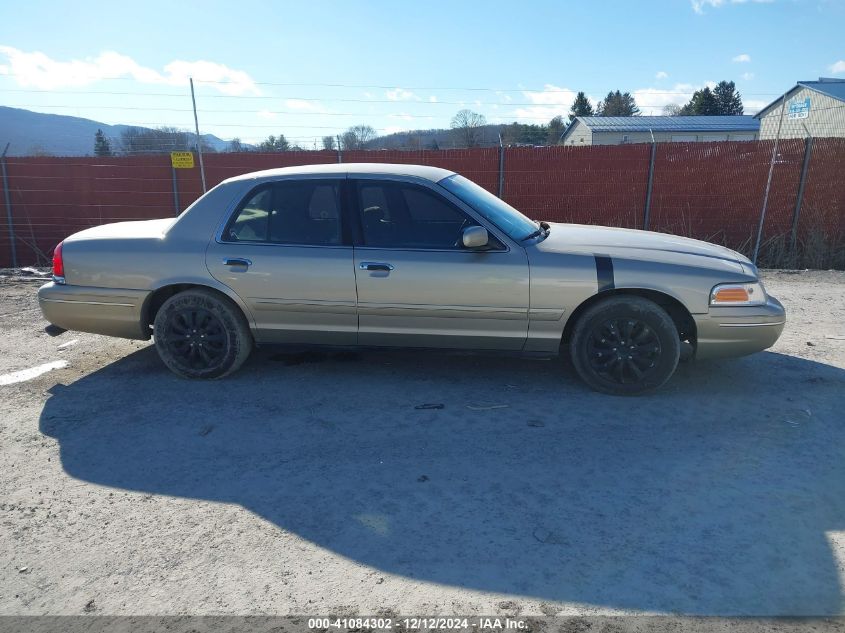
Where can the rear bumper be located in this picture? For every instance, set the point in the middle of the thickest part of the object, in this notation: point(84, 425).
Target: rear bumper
point(108, 311)
point(737, 331)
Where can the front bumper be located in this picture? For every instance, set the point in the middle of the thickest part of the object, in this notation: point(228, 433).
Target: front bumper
point(108, 311)
point(737, 331)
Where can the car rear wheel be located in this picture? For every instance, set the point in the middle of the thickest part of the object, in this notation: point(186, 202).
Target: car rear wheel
point(201, 334)
point(625, 345)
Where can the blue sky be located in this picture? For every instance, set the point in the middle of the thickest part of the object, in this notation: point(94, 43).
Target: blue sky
point(307, 69)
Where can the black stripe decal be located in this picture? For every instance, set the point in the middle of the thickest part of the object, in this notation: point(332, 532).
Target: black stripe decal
point(604, 272)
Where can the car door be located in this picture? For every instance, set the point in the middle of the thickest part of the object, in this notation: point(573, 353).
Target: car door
point(418, 286)
point(285, 252)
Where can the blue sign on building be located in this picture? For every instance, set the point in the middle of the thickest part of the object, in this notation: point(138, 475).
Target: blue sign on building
point(799, 109)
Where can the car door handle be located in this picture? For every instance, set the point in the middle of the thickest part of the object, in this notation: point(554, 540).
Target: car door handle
point(236, 261)
point(376, 266)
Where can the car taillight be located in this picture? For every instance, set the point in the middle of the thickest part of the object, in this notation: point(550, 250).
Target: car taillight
point(58, 264)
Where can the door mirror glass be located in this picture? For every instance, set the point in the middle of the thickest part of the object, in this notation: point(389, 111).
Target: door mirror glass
point(475, 237)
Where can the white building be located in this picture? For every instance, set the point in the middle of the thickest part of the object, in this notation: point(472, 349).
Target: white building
point(616, 130)
point(813, 108)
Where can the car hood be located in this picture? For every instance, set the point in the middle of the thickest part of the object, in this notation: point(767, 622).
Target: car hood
point(634, 244)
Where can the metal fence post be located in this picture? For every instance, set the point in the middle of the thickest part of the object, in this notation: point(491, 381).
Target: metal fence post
point(501, 167)
point(8, 199)
point(339, 151)
point(647, 210)
point(768, 183)
point(175, 189)
point(799, 199)
point(199, 140)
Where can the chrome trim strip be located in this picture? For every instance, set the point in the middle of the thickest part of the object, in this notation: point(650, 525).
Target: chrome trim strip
point(424, 307)
point(751, 324)
point(90, 303)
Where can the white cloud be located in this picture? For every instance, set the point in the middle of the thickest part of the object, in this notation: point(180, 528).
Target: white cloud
point(40, 71)
point(651, 101)
point(661, 75)
point(303, 105)
point(748, 76)
point(400, 94)
point(546, 104)
point(403, 116)
point(4, 70)
point(266, 114)
point(744, 58)
point(838, 67)
point(699, 5)
point(432, 99)
point(753, 106)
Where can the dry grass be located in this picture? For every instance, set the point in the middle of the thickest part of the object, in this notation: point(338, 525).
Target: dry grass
point(817, 249)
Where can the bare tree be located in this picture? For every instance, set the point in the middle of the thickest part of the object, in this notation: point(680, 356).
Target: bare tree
point(671, 109)
point(329, 142)
point(357, 137)
point(466, 125)
point(137, 140)
point(235, 145)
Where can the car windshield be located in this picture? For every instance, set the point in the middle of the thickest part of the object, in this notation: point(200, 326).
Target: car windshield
point(499, 212)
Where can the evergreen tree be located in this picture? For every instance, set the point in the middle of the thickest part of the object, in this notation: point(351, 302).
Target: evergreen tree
point(728, 98)
point(617, 104)
point(524, 134)
point(556, 130)
point(102, 146)
point(274, 144)
point(703, 103)
point(581, 106)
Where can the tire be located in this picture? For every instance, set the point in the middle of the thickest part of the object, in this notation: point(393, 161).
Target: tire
point(644, 329)
point(201, 334)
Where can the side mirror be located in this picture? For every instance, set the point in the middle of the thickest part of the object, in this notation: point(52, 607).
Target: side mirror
point(475, 237)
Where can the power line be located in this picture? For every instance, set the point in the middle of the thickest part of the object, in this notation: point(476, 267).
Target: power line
point(384, 87)
point(406, 102)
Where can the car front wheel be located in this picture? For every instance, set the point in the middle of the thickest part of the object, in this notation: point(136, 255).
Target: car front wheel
point(625, 345)
point(201, 334)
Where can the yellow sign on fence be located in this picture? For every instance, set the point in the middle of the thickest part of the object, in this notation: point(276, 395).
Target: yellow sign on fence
point(182, 160)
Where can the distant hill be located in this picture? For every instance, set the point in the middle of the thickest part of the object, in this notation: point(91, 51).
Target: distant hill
point(30, 133)
point(34, 133)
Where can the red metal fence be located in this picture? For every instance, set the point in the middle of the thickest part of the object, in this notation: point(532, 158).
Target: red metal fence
point(710, 191)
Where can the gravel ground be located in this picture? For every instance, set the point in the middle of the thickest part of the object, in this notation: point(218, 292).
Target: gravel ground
point(310, 483)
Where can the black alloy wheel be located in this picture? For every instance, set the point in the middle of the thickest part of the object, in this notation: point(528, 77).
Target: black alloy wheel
point(200, 333)
point(625, 345)
point(623, 350)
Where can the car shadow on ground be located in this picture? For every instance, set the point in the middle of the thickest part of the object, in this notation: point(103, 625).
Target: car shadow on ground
point(714, 496)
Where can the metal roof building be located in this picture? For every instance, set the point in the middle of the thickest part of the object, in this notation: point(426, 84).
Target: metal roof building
point(813, 108)
point(615, 130)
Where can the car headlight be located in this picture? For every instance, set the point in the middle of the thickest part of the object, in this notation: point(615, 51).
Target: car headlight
point(748, 294)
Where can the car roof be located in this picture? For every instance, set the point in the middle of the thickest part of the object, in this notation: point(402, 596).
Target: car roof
point(434, 174)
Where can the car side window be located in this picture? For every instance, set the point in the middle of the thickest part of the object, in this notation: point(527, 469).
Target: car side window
point(401, 215)
point(305, 212)
point(251, 222)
